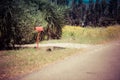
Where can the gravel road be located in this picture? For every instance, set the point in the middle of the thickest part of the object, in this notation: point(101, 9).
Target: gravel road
point(99, 63)
point(63, 45)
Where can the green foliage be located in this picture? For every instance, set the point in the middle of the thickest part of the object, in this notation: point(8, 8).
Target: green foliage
point(92, 13)
point(19, 17)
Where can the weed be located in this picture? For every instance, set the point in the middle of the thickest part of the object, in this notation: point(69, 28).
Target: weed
point(79, 34)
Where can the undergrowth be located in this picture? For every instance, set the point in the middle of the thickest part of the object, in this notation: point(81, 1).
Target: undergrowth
point(79, 34)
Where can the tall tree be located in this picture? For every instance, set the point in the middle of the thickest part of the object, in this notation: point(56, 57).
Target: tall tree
point(90, 12)
point(103, 7)
point(113, 8)
point(62, 2)
point(97, 12)
point(80, 2)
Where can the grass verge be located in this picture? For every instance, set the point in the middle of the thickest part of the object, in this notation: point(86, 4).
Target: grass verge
point(96, 35)
point(20, 62)
point(90, 35)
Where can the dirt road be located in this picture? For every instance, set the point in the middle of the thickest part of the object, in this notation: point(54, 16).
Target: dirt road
point(63, 45)
point(101, 63)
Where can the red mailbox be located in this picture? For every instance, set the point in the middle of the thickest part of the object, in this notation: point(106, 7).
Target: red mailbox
point(38, 29)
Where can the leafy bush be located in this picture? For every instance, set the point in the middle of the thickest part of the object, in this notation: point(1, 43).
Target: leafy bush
point(19, 17)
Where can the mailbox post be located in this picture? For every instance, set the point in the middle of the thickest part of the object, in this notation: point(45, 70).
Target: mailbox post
point(39, 29)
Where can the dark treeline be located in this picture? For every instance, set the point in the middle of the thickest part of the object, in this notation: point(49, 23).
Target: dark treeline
point(93, 13)
point(18, 18)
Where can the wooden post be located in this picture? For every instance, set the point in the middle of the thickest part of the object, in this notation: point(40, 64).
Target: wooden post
point(37, 40)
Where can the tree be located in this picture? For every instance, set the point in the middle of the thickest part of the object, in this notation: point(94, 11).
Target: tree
point(90, 13)
point(19, 17)
point(113, 8)
point(63, 2)
point(103, 7)
point(97, 12)
point(6, 23)
point(80, 2)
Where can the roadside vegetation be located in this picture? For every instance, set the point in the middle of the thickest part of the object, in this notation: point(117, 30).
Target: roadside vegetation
point(15, 63)
point(90, 35)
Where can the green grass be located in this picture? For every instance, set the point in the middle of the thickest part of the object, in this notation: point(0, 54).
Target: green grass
point(19, 62)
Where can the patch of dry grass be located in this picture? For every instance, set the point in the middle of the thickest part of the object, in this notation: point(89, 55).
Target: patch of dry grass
point(90, 35)
point(19, 62)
